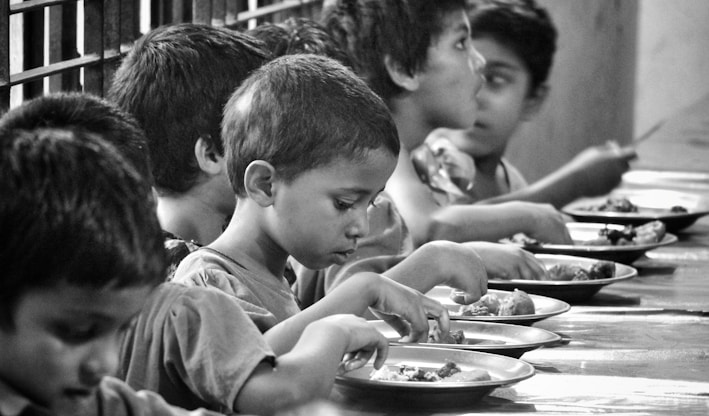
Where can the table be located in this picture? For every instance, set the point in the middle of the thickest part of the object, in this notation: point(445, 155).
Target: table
point(639, 347)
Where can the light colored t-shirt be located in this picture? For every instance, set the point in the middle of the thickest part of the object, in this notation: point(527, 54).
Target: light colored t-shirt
point(194, 346)
point(113, 398)
point(267, 300)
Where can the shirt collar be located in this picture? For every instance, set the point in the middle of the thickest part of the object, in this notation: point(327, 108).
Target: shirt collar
point(12, 403)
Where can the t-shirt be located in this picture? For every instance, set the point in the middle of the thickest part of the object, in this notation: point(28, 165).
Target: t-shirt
point(176, 249)
point(266, 299)
point(387, 243)
point(113, 398)
point(194, 346)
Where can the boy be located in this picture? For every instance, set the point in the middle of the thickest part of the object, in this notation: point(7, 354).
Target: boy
point(518, 40)
point(70, 205)
point(303, 186)
point(175, 81)
point(417, 56)
point(179, 318)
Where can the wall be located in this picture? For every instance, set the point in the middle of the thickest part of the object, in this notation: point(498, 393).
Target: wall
point(673, 58)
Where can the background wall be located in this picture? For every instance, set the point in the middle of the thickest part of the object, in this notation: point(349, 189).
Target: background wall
point(621, 66)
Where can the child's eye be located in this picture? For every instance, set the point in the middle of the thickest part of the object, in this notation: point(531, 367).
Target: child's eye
point(343, 205)
point(462, 44)
point(76, 334)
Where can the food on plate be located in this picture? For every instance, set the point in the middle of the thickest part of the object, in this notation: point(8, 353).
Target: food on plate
point(648, 233)
point(451, 337)
point(516, 303)
point(624, 205)
point(571, 272)
point(449, 372)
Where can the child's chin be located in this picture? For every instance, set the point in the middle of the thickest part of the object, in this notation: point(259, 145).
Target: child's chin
point(76, 405)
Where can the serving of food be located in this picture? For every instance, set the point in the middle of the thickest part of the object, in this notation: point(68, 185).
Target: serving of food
point(534, 309)
point(612, 242)
point(426, 377)
point(570, 278)
point(449, 372)
point(677, 210)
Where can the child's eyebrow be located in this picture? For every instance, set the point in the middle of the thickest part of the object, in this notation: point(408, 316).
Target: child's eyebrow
point(501, 65)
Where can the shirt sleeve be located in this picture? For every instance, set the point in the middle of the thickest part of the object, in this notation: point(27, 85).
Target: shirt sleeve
point(212, 345)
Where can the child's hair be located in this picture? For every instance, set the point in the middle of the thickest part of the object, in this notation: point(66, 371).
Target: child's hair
point(369, 30)
point(300, 112)
point(175, 81)
point(89, 113)
point(73, 211)
point(523, 27)
point(299, 35)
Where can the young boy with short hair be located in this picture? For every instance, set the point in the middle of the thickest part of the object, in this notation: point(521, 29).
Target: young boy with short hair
point(81, 253)
point(303, 185)
point(417, 55)
point(196, 357)
point(518, 40)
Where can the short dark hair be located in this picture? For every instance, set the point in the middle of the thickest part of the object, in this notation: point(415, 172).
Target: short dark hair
point(299, 35)
point(300, 112)
point(175, 81)
point(369, 30)
point(74, 211)
point(87, 112)
point(521, 26)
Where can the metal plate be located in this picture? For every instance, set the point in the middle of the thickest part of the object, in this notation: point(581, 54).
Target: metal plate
point(504, 339)
point(586, 231)
point(690, 181)
point(544, 307)
point(503, 371)
point(569, 291)
point(653, 204)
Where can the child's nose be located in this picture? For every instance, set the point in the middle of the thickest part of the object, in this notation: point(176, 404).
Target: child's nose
point(101, 361)
point(359, 226)
point(478, 61)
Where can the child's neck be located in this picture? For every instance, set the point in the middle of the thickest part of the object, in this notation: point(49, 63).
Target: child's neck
point(412, 126)
point(190, 218)
point(245, 239)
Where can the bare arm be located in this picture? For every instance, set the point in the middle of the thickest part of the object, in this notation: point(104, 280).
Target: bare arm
point(595, 171)
point(308, 371)
point(428, 221)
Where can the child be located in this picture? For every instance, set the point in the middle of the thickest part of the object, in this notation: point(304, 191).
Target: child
point(82, 251)
point(189, 320)
point(518, 40)
point(303, 185)
point(387, 248)
point(175, 81)
point(417, 56)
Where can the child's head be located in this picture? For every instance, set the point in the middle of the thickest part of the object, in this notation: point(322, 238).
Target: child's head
point(518, 40)
point(299, 35)
point(175, 81)
point(81, 251)
point(307, 138)
point(88, 113)
point(419, 50)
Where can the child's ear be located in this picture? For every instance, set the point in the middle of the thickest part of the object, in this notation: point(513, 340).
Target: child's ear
point(533, 103)
point(258, 181)
point(399, 76)
point(207, 155)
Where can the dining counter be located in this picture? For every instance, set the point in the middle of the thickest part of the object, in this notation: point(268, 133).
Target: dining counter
point(639, 346)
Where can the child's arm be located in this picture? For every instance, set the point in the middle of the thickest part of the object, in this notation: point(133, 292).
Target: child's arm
point(595, 171)
point(308, 370)
point(405, 309)
point(428, 221)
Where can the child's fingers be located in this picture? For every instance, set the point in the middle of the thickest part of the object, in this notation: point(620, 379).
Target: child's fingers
point(435, 310)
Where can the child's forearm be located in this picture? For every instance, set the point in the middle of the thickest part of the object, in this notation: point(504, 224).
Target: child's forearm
point(305, 373)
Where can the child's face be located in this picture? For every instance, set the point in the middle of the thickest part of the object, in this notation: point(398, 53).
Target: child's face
point(319, 217)
point(451, 77)
point(65, 339)
point(503, 101)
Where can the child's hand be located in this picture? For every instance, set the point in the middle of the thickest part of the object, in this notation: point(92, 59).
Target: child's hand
point(407, 310)
point(601, 168)
point(506, 261)
point(543, 222)
point(362, 341)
